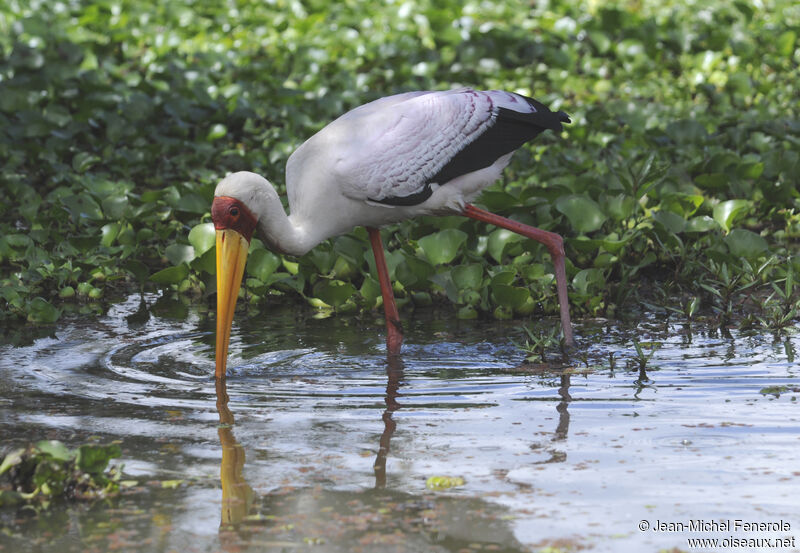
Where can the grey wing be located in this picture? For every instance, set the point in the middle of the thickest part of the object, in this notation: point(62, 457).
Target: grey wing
point(389, 152)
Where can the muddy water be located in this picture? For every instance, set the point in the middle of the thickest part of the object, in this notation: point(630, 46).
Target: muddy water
point(317, 441)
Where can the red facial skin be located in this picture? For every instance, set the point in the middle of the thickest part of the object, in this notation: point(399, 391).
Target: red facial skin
point(230, 213)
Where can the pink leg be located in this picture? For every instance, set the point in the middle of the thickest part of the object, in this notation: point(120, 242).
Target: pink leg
point(554, 244)
point(394, 329)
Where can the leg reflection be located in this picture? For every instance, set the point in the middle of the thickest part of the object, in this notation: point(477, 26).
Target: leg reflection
point(237, 495)
point(394, 376)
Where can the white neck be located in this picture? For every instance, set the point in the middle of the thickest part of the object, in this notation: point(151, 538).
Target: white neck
point(278, 231)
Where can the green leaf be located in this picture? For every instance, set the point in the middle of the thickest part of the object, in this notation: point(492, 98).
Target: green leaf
point(171, 275)
point(202, 237)
point(137, 269)
point(109, 232)
point(442, 247)
point(217, 131)
point(745, 243)
point(42, 311)
point(785, 44)
point(583, 212)
point(192, 203)
point(687, 131)
point(262, 263)
point(334, 292)
point(179, 253)
point(503, 277)
point(83, 161)
point(11, 459)
point(206, 262)
point(703, 223)
point(510, 296)
point(499, 239)
point(370, 290)
point(93, 459)
point(55, 449)
point(712, 181)
point(588, 281)
point(671, 221)
point(82, 206)
point(443, 482)
point(726, 212)
point(467, 277)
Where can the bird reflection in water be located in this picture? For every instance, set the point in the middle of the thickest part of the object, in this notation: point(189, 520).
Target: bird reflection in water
point(237, 495)
point(241, 514)
point(394, 377)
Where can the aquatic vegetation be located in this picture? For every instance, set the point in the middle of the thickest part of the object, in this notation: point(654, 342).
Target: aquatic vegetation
point(443, 482)
point(537, 343)
point(680, 170)
point(49, 470)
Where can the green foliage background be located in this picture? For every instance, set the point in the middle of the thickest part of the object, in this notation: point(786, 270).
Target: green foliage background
point(118, 118)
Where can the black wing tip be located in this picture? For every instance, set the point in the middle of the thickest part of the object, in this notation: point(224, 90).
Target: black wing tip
point(563, 117)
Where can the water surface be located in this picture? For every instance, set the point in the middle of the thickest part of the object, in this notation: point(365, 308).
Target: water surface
point(316, 440)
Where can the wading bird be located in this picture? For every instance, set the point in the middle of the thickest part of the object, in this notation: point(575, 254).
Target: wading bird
point(418, 153)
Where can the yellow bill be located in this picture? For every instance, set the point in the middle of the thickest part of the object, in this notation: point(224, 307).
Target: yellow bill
point(231, 258)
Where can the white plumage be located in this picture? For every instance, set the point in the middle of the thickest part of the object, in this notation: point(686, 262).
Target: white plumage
point(398, 157)
point(388, 148)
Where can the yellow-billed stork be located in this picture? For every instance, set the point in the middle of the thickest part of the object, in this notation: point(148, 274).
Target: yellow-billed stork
point(418, 153)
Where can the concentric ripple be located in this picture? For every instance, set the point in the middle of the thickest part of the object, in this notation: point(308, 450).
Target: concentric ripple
point(709, 421)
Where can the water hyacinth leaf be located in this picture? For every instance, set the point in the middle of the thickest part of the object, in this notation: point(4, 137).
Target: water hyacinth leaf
point(588, 281)
point(443, 482)
point(179, 253)
point(499, 239)
point(83, 161)
point(206, 262)
point(322, 259)
point(192, 203)
point(202, 237)
point(109, 233)
point(467, 276)
point(620, 207)
point(442, 247)
point(745, 243)
point(686, 131)
point(93, 459)
point(498, 200)
point(262, 263)
point(350, 248)
point(671, 221)
point(785, 44)
point(11, 459)
point(171, 275)
point(216, 131)
point(503, 277)
point(712, 181)
point(703, 223)
point(420, 268)
point(114, 207)
point(582, 212)
point(726, 212)
point(751, 169)
point(55, 449)
point(82, 206)
point(510, 296)
point(334, 292)
point(42, 311)
point(393, 259)
point(137, 269)
point(370, 290)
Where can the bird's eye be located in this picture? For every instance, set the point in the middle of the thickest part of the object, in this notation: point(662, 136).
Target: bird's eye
point(234, 211)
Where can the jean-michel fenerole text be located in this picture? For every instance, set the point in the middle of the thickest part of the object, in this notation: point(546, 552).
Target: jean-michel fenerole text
point(729, 525)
